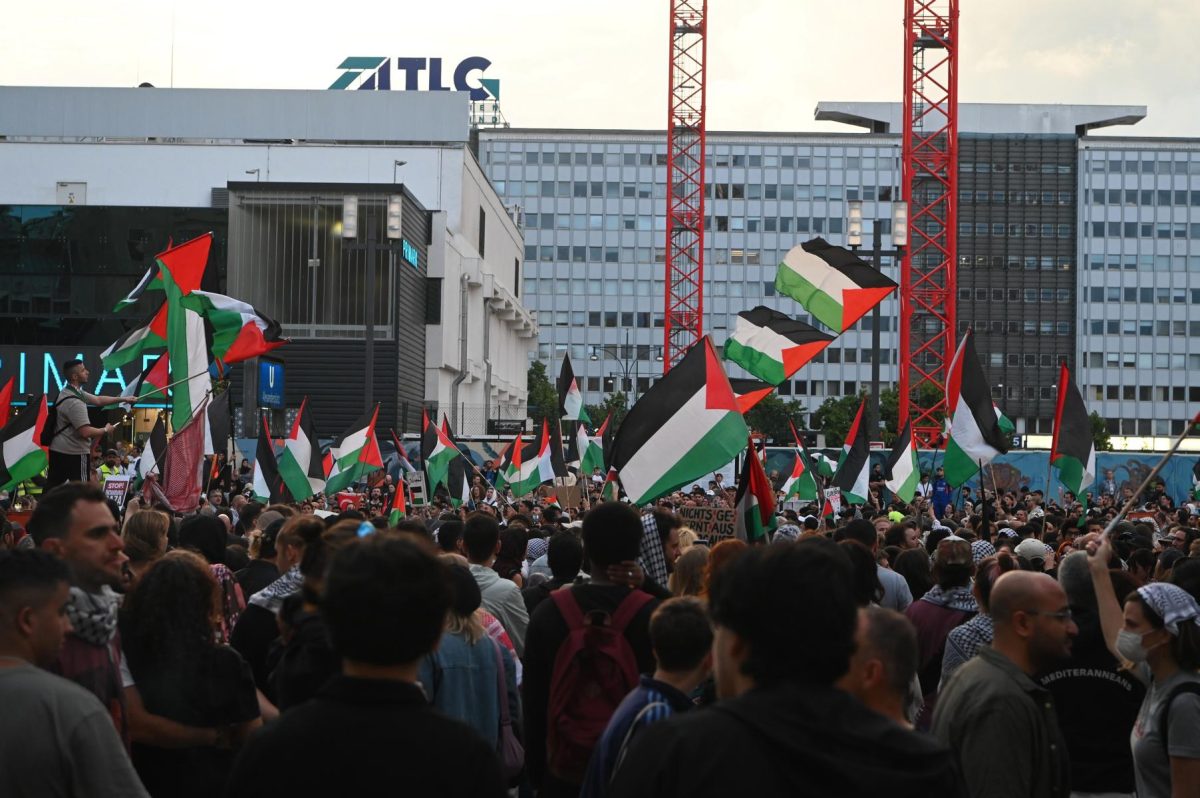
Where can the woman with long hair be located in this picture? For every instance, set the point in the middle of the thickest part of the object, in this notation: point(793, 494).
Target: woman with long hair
point(169, 632)
point(206, 536)
point(1158, 636)
point(514, 541)
point(145, 537)
point(914, 566)
point(688, 577)
point(463, 676)
point(719, 557)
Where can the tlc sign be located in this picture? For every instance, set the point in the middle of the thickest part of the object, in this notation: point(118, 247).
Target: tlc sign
point(377, 73)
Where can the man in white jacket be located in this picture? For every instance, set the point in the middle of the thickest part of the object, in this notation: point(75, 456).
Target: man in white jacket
point(480, 542)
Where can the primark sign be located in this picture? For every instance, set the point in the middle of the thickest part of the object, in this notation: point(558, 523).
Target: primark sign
point(377, 73)
point(38, 370)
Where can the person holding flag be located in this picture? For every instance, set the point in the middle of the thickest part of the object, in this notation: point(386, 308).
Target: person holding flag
point(71, 446)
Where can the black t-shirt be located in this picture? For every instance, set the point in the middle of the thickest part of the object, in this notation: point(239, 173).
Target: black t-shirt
point(1097, 704)
point(216, 691)
point(252, 637)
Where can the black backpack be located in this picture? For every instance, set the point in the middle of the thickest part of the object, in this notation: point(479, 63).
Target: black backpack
point(1192, 688)
point(52, 429)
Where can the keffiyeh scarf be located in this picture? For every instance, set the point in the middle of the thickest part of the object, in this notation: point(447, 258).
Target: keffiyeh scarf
point(651, 558)
point(271, 597)
point(956, 598)
point(93, 615)
point(1171, 603)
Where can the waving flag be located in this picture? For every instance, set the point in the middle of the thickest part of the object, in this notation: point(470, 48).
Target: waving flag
point(749, 392)
point(754, 509)
point(22, 455)
point(978, 430)
point(1073, 451)
point(831, 283)
point(902, 471)
point(6, 394)
point(685, 427)
point(239, 331)
point(399, 509)
point(154, 452)
point(772, 345)
point(437, 452)
point(853, 474)
point(354, 455)
point(300, 464)
point(570, 398)
point(268, 485)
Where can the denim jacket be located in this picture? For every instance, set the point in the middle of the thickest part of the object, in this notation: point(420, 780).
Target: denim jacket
point(460, 680)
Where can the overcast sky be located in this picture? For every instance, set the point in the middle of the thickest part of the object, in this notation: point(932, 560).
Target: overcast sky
point(565, 63)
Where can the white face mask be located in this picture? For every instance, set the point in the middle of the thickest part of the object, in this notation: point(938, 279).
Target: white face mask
point(1129, 646)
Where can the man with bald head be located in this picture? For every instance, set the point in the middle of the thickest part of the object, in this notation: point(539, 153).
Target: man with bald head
point(999, 722)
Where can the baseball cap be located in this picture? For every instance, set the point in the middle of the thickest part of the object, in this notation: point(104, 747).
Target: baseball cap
point(1031, 549)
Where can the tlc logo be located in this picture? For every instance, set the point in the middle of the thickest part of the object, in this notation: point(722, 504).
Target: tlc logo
point(375, 73)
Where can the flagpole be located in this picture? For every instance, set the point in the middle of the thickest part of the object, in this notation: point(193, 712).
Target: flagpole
point(1153, 473)
point(163, 390)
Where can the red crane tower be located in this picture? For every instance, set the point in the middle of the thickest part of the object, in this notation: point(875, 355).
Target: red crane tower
point(684, 320)
point(930, 185)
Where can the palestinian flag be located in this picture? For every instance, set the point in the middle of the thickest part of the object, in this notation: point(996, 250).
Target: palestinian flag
point(154, 452)
point(1072, 451)
point(510, 463)
point(801, 483)
point(187, 351)
point(591, 452)
point(610, 491)
point(186, 263)
point(399, 509)
point(902, 471)
point(437, 452)
point(685, 427)
point(459, 481)
point(749, 393)
point(151, 383)
point(22, 455)
point(300, 464)
point(6, 394)
point(532, 465)
point(824, 464)
point(558, 459)
point(978, 430)
point(268, 484)
point(772, 345)
point(130, 346)
point(852, 477)
point(150, 281)
point(831, 283)
point(239, 331)
point(406, 465)
point(354, 455)
point(217, 428)
point(570, 398)
point(754, 509)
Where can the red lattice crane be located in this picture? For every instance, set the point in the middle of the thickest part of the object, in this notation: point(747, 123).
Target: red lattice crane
point(684, 320)
point(930, 186)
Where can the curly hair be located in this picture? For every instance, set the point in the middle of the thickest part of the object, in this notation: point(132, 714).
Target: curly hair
point(169, 618)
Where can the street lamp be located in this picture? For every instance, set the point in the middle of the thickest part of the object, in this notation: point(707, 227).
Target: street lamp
point(628, 363)
point(899, 242)
point(396, 165)
point(371, 246)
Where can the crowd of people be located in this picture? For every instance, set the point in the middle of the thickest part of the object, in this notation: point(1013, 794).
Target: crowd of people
point(985, 646)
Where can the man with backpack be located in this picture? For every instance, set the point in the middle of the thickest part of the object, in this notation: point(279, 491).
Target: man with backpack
point(71, 431)
point(586, 646)
point(682, 637)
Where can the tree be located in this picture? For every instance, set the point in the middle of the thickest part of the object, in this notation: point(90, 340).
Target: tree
point(543, 396)
point(771, 416)
point(615, 403)
point(834, 418)
point(1100, 433)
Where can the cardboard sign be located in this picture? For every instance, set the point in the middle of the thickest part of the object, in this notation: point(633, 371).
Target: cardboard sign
point(833, 497)
point(116, 488)
point(416, 489)
point(714, 524)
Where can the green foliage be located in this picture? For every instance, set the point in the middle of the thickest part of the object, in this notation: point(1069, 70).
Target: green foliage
point(615, 403)
point(1100, 433)
point(771, 415)
point(543, 396)
point(834, 418)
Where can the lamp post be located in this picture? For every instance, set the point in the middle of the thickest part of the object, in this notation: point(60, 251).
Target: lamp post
point(627, 363)
point(372, 246)
point(899, 242)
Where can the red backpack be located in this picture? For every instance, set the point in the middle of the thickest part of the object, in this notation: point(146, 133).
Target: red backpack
point(594, 670)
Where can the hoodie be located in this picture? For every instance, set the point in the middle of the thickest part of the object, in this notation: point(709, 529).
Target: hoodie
point(788, 740)
point(502, 598)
